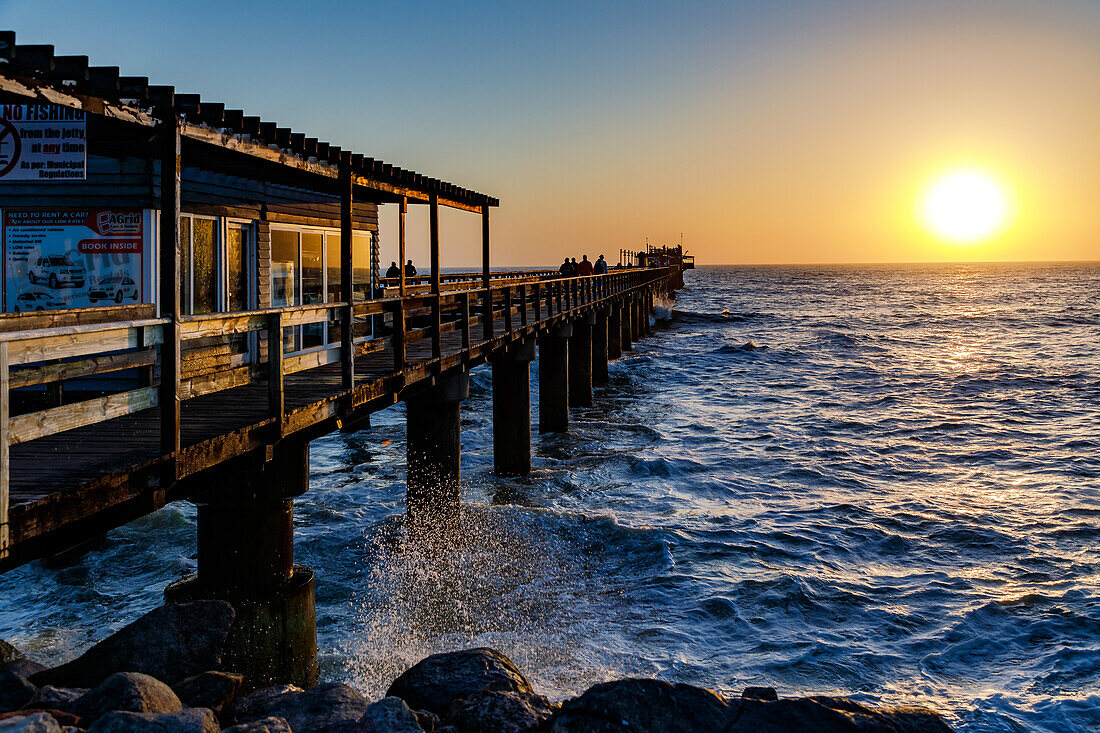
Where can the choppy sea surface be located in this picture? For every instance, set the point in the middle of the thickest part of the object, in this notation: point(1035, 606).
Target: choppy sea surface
point(880, 482)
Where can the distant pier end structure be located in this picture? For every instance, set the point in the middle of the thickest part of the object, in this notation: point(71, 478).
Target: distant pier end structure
point(192, 294)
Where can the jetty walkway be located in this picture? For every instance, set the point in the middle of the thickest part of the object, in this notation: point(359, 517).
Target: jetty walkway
point(255, 320)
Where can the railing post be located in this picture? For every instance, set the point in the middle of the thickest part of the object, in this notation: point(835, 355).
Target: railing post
point(487, 315)
point(538, 302)
point(523, 305)
point(464, 299)
point(398, 339)
point(347, 274)
point(276, 399)
point(5, 450)
point(170, 305)
point(437, 327)
point(508, 309)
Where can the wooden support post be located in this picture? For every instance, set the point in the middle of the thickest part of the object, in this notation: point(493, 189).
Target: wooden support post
point(647, 310)
point(276, 399)
point(170, 305)
point(437, 327)
point(538, 302)
point(523, 305)
point(580, 363)
point(626, 322)
point(246, 557)
point(508, 309)
point(5, 450)
point(398, 339)
point(433, 233)
point(485, 280)
point(614, 333)
point(512, 410)
point(599, 348)
point(433, 472)
point(347, 275)
point(401, 242)
point(554, 380)
point(464, 301)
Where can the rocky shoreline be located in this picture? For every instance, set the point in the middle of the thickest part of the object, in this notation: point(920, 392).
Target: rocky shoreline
point(163, 674)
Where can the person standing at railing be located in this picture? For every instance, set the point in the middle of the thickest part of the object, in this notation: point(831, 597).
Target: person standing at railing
point(394, 271)
point(567, 269)
point(584, 267)
point(410, 271)
point(600, 268)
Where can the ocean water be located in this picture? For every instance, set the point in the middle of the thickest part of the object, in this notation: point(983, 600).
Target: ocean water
point(880, 482)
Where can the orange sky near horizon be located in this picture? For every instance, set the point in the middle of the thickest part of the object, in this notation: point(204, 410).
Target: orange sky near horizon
point(821, 157)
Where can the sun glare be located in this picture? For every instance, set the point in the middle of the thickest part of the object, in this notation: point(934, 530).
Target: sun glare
point(964, 207)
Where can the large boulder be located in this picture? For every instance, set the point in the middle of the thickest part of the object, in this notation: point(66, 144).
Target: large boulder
point(492, 711)
point(389, 715)
point(212, 690)
point(9, 653)
point(15, 691)
point(129, 692)
point(437, 681)
point(35, 722)
point(830, 715)
point(170, 643)
point(192, 720)
point(263, 725)
point(258, 704)
point(328, 708)
point(643, 705)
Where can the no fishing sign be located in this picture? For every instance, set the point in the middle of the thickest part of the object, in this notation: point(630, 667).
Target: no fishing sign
point(42, 142)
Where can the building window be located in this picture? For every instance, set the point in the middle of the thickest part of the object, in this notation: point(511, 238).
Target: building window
point(305, 270)
point(215, 265)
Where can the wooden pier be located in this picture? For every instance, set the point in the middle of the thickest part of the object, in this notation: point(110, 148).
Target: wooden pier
point(211, 390)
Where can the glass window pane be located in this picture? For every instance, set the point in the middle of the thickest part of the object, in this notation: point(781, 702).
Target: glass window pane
point(360, 282)
point(185, 264)
point(332, 265)
point(313, 286)
point(237, 249)
point(284, 268)
point(202, 245)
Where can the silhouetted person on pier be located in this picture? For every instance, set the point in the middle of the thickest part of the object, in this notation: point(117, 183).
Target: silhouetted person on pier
point(567, 269)
point(394, 271)
point(584, 267)
point(410, 271)
point(573, 264)
point(600, 268)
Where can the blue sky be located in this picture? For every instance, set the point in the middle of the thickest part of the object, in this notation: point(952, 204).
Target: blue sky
point(599, 124)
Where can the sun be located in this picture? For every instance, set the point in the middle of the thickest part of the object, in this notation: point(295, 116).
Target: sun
point(964, 207)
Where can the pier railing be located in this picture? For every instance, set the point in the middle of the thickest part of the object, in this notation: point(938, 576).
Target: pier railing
point(224, 351)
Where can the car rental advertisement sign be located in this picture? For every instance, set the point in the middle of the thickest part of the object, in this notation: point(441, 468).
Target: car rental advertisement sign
point(41, 142)
point(72, 258)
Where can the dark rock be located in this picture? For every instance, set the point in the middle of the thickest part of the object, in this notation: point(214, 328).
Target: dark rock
point(258, 704)
point(29, 722)
point(129, 692)
point(389, 715)
point(326, 708)
point(54, 698)
point(212, 690)
point(490, 711)
point(192, 720)
point(643, 705)
point(263, 725)
point(15, 691)
point(25, 668)
point(170, 643)
point(915, 720)
point(9, 653)
point(760, 693)
point(437, 681)
point(828, 715)
point(428, 721)
point(62, 717)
